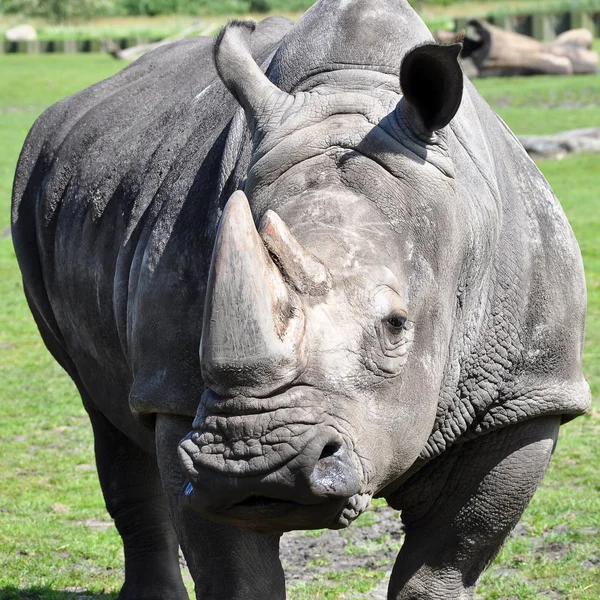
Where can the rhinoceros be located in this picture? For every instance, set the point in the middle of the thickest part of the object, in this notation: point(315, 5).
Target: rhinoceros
point(290, 271)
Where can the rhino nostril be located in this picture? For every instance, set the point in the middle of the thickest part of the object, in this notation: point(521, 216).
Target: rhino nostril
point(333, 475)
point(329, 450)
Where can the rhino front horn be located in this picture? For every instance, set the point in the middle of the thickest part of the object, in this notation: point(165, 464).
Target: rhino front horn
point(253, 326)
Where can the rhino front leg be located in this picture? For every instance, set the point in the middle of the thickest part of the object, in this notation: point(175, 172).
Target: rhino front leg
point(226, 563)
point(461, 507)
point(134, 498)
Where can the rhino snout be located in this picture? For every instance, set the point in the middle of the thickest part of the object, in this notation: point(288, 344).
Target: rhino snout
point(309, 490)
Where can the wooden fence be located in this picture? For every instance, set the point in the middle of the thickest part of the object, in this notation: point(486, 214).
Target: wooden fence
point(543, 26)
point(68, 46)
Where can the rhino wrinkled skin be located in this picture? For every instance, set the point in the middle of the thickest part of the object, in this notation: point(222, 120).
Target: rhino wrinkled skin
point(293, 272)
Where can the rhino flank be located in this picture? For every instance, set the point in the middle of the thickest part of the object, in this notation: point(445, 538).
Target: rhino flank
point(291, 271)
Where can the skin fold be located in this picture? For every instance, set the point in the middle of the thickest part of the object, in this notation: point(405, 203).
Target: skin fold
point(293, 269)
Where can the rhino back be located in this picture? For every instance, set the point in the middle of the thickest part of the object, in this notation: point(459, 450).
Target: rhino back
point(115, 203)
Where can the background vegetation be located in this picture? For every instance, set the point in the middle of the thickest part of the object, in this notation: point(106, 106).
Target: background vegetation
point(66, 10)
point(56, 539)
point(62, 10)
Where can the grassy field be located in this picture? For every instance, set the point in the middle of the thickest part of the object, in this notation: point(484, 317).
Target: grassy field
point(56, 540)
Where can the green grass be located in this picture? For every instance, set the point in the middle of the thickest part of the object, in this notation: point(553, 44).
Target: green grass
point(543, 104)
point(56, 540)
point(157, 27)
point(28, 85)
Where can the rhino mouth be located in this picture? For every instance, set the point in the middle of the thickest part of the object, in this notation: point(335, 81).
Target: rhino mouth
point(261, 511)
point(261, 502)
point(268, 515)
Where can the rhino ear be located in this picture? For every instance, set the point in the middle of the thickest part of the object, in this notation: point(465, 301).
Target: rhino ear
point(432, 83)
point(240, 73)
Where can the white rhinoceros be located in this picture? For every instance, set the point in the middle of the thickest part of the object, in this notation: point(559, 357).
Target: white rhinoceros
point(393, 306)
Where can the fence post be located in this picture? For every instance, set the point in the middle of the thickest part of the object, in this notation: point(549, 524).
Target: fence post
point(32, 47)
point(70, 46)
point(541, 27)
point(584, 19)
point(503, 21)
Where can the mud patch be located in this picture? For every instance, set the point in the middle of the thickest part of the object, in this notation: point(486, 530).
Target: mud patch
point(555, 550)
point(371, 543)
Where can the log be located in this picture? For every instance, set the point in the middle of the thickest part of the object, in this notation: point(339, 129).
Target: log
point(582, 60)
point(495, 51)
point(576, 45)
point(444, 37)
point(580, 38)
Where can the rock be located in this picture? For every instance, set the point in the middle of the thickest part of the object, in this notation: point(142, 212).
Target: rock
point(21, 33)
point(559, 145)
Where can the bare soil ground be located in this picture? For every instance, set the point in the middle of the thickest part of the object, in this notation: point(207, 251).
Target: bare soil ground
point(371, 543)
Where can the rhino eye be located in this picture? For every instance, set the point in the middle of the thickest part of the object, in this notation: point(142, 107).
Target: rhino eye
point(395, 322)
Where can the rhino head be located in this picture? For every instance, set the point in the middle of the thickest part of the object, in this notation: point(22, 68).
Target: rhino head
point(327, 325)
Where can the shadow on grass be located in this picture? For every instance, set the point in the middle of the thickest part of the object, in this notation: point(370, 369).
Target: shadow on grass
point(46, 593)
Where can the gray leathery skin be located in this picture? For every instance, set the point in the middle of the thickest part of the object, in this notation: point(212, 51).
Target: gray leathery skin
point(395, 304)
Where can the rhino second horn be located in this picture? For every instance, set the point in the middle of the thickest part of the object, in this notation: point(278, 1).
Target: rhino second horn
point(253, 326)
point(307, 274)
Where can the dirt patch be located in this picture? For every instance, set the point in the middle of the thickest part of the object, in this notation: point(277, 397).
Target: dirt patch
point(97, 524)
point(371, 543)
point(84, 467)
point(555, 550)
